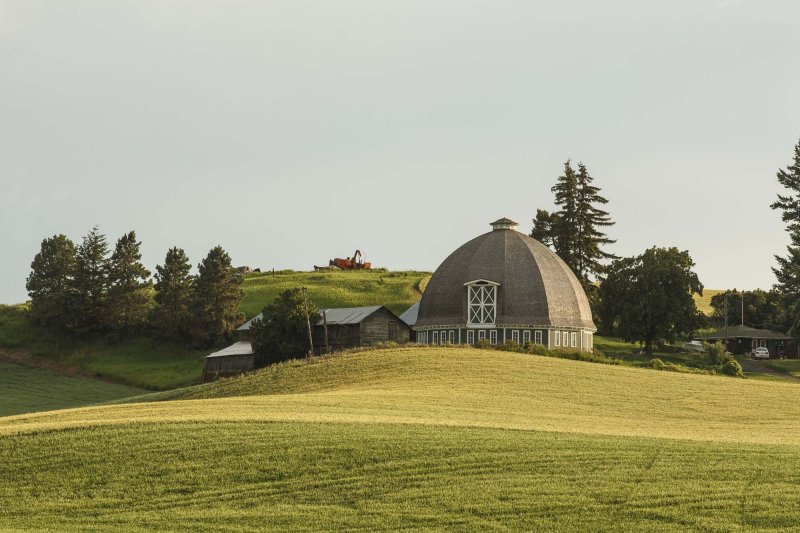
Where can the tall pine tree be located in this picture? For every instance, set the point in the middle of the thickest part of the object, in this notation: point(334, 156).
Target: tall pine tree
point(218, 292)
point(87, 302)
point(589, 255)
point(564, 227)
point(129, 293)
point(50, 281)
point(174, 286)
point(788, 269)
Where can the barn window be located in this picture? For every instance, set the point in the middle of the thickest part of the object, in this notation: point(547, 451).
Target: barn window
point(422, 337)
point(573, 339)
point(443, 338)
point(493, 336)
point(537, 337)
point(481, 334)
point(470, 337)
point(565, 338)
point(526, 337)
point(557, 338)
point(435, 337)
point(481, 302)
point(515, 336)
point(451, 337)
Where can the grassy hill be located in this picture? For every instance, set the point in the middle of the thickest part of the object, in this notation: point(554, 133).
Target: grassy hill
point(417, 438)
point(703, 302)
point(158, 365)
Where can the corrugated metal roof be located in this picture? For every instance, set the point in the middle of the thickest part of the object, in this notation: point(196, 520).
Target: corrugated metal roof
point(238, 348)
point(334, 316)
point(410, 316)
point(346, 315)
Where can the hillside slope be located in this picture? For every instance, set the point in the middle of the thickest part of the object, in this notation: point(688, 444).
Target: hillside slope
point(438, 438)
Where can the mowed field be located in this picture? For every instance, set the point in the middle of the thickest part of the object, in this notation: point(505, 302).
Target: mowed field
point(414, 437)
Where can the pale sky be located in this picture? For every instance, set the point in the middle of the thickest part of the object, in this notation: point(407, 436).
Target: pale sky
point(291, 132)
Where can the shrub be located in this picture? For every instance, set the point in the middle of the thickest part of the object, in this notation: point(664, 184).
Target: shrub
point(732, 368)
point(483, 344)
point(657, 363)
point(717, 354)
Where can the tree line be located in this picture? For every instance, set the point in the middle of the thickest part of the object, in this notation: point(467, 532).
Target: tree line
point(88, 290)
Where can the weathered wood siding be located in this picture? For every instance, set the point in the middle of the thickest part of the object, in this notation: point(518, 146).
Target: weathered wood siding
point(381, 326)
point(232, 365)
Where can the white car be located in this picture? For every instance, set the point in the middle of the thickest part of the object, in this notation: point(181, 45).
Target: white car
point(760, 353)
point(694, 346)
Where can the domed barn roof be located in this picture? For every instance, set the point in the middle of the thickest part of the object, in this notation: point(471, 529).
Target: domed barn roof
point(535, 286)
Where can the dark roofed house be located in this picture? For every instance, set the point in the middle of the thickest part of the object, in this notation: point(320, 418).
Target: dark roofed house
point(505, 285)
point(744, 339)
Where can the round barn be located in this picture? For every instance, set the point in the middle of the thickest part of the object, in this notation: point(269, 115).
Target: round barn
point(502, 286)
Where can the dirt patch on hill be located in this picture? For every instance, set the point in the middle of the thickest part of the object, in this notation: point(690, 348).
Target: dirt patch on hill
point(25, 358)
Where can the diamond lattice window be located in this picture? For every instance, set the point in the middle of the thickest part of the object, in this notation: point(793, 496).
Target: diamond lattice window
point(482, 304)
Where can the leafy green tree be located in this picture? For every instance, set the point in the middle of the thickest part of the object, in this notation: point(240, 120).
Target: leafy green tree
point(174, 289)
point(89, 294)
point(762, 309)
point(130, 289)
point(218, 293)
point(50, 281)
point(282, 332)
point(788, 269)
point(648, 298)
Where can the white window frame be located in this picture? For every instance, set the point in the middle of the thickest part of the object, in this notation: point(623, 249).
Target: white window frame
point(422, 337)
point(451, 337)
point(557, 339)
point(481, 334)
point(470, 336)
point(442, 338)
point(526, 337)
point(573, 339)
point(492, 336)
point(515, 335)
point(537, 336)
point(762, 343)
point(481, 302)
point(435, 337)
point(565, 339)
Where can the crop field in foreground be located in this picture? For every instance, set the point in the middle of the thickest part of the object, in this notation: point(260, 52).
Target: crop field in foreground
point(423, 438)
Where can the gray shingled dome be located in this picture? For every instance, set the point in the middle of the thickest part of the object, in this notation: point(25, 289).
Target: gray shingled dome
point(535, 286)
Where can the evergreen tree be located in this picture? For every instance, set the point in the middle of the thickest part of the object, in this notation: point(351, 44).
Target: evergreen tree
point(564, 227)
point(788, 269)
point(218, 292)
point(50, 281)
point(174, 286)
point(543, 226)
point(282, 332)
point(129, 293)
point(87, 302)
point(589, 255)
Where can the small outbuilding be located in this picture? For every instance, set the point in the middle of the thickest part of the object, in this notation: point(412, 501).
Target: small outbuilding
point(236, 359)
point(744, 339)
point(348, 327)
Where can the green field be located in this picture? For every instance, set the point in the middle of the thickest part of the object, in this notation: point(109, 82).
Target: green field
point(25, 390)
point(433, 438)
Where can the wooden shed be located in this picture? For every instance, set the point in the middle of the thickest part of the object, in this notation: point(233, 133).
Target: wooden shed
point(236, 359)
point(358, 326)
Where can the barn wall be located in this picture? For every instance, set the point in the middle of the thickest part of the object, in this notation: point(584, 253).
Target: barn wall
point(375, 328)
point(232, 365)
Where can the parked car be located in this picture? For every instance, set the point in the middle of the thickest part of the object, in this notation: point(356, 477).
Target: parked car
point(760, 353)
point(693, 346)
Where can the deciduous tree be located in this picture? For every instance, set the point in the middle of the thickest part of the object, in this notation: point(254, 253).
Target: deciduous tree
point(648, 298)
point(282, 332)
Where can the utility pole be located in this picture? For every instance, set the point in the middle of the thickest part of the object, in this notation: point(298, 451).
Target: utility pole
point(726, 321)
point(308, 323)
point(325, 326)
point(742, 296)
